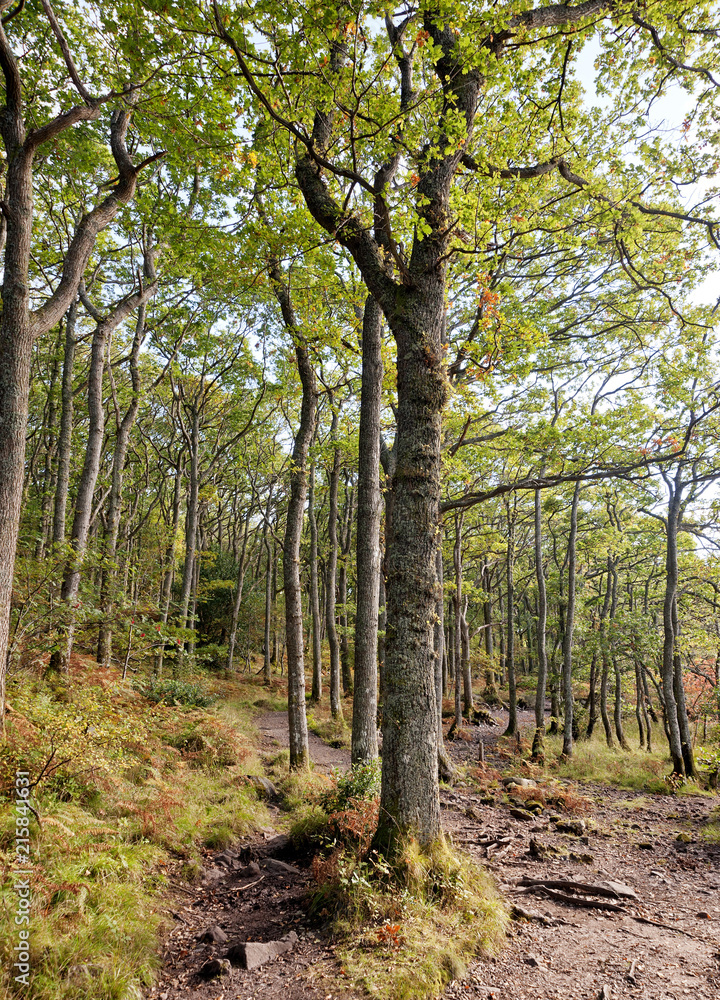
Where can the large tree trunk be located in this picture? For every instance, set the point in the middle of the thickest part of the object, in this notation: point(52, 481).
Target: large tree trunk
point(18, 326)
point(331, 574)
point(569, 626)
point(364, 723)
point(538, 747)
point(316, 690)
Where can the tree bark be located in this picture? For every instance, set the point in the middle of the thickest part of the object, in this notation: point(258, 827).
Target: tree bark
point(238, 593)
point(124, 427)
point(345, 544)
point(60, 659)
point(19, 327)
point(331, 574)
point(538, 747)
point(569, 626)
point(316, 690)
point(672, 523)
point(512, 726)
point(364, 724)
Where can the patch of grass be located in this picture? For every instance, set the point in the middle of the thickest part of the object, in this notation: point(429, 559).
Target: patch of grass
point(406, 929)
point(334, 732)
point(593, 760)
point(132, 792)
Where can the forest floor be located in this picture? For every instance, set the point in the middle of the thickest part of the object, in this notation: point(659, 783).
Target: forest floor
point(663, 944)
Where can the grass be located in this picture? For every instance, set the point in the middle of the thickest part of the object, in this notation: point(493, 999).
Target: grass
point(335, 732)
point(405, 930)
point(133, 796)
point(636, 770)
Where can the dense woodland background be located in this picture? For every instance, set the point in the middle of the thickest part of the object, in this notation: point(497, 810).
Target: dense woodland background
point(318, 314)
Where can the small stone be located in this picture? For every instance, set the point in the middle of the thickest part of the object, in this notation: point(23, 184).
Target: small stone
point(282, 866)
point(252, 954)
point(534, 961)
point(263, 786)
point(487, 800)
point(683, 838)
point(576, 827)
point(703, 915)
point(586, 859)
point(250, 871)
point(214, 934)
point(645, 845)
point(522, 814)
point(534, 806)
point(78, 973)
point(214, 968)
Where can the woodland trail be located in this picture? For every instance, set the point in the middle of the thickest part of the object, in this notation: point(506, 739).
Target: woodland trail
point(273, 727)
point(576, 954)
point(627, 838)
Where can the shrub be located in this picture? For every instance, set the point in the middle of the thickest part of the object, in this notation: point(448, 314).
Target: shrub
point(174, 692)
point(361, 782)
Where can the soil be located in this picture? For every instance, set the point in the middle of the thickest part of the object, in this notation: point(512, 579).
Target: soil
point(577, 953)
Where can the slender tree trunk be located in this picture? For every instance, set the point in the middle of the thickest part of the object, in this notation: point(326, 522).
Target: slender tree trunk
point(670, 638)
point(445, 768)
point(569, 626)
point(192, 506)
point(538, 747)
point(60, 659)
point(267, 670)
point(369, 570)
point(316, 689)
point(331, 575)
point(345, 544)
point(297, 719)
point(122, 442)
point(49, 475)
point(169, 574)
point(268, 588)
point(490, 693)
point(468, 704)
point(64, 445)
point(238, 594)
point(679, 690)
point(592, 698)
point(457, 620)
point(512, 726)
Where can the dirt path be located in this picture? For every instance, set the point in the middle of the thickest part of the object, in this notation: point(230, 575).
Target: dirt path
point(578, 952)
point(273, 727)
point(257, 891)
point(629, 838)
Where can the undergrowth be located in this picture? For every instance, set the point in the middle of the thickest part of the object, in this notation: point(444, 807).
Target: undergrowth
point(407, 928)
point(403, 929)
point(130, 793)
